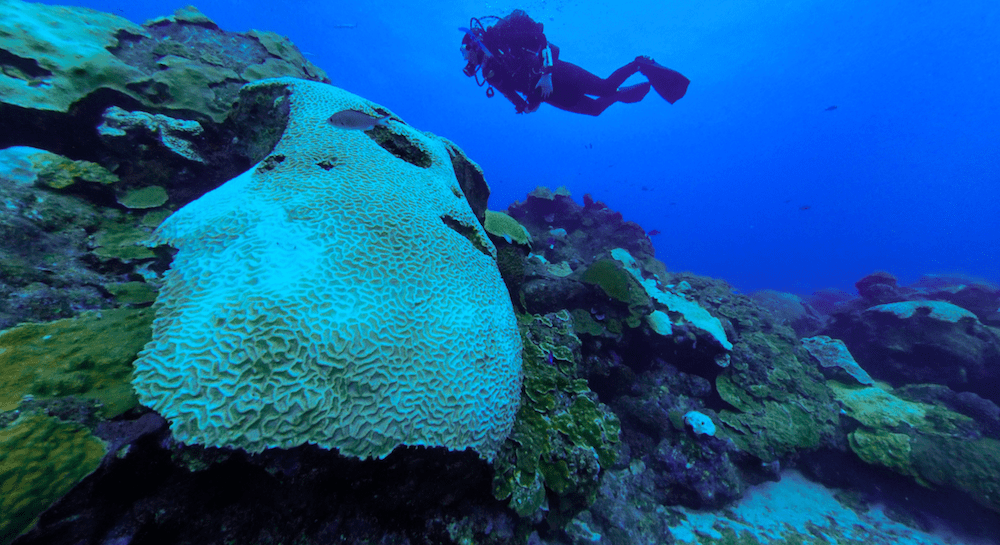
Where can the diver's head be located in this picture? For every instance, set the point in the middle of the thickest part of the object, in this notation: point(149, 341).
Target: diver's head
point(472, 54)
point(473, 51)
point(473, 62)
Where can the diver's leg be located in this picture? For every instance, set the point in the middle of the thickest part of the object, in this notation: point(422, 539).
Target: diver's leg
point(619, 76)
point(583, 104)
point(571, 76)
point(632, 93)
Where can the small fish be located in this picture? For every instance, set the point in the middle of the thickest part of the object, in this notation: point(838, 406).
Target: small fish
point(355, 120)
point(805, 207)
point(654, 232)
point(550, 359)
point(830, 108)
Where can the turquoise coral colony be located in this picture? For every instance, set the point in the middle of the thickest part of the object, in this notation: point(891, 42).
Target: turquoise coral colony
point(242, 305)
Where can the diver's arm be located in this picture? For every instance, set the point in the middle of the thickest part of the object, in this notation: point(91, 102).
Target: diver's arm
point(519, 103)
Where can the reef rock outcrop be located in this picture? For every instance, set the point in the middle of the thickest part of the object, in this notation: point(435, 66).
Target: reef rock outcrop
point(911, 342)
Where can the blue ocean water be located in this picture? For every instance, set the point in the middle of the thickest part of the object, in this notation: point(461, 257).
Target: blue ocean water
point(753, 177)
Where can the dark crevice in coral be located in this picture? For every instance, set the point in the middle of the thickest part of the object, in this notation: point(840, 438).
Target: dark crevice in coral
point(155, 92)
point(471, 180)
point(329, 164)
point(257, 121)
point(125, 39)
point(68, 136)
point(150, 498)
point(21, 68)
point(468, 232)
point(271, 162)
point(96, 194)
point(400, 146)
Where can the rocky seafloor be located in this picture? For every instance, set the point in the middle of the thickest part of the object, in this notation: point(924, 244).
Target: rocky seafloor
point(656, 406)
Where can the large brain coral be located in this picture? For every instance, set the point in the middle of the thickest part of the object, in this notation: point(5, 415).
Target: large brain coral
point(334, 294)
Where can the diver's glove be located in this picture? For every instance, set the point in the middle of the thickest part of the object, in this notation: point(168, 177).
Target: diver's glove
point(545, 82)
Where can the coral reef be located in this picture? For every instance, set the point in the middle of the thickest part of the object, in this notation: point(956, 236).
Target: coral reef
point(342, 328)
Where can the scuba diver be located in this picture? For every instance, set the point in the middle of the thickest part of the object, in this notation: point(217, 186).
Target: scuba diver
point(515, 58)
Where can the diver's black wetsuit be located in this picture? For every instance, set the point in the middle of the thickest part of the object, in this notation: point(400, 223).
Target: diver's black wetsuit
point(517, 41)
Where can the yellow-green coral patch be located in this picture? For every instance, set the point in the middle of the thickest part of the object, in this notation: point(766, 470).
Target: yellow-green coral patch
point(41, 459)
point(88, 356)
point(880, 447)
point(503, 226)
point(875, 407)
point(135, 293)
point(122, 241)
point(58, 172)
point(146, 197)
point(614, 280)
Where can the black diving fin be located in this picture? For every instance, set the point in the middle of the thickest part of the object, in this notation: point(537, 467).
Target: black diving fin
point(670, 84)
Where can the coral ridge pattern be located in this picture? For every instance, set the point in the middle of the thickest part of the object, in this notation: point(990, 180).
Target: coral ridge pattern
point(356, 307)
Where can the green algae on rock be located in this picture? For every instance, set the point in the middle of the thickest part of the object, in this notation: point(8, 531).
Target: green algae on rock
point(59, 215)
point(122, 241)
point(69, 51)
point(120, 130)
point(135, 293)
point(616, 282)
